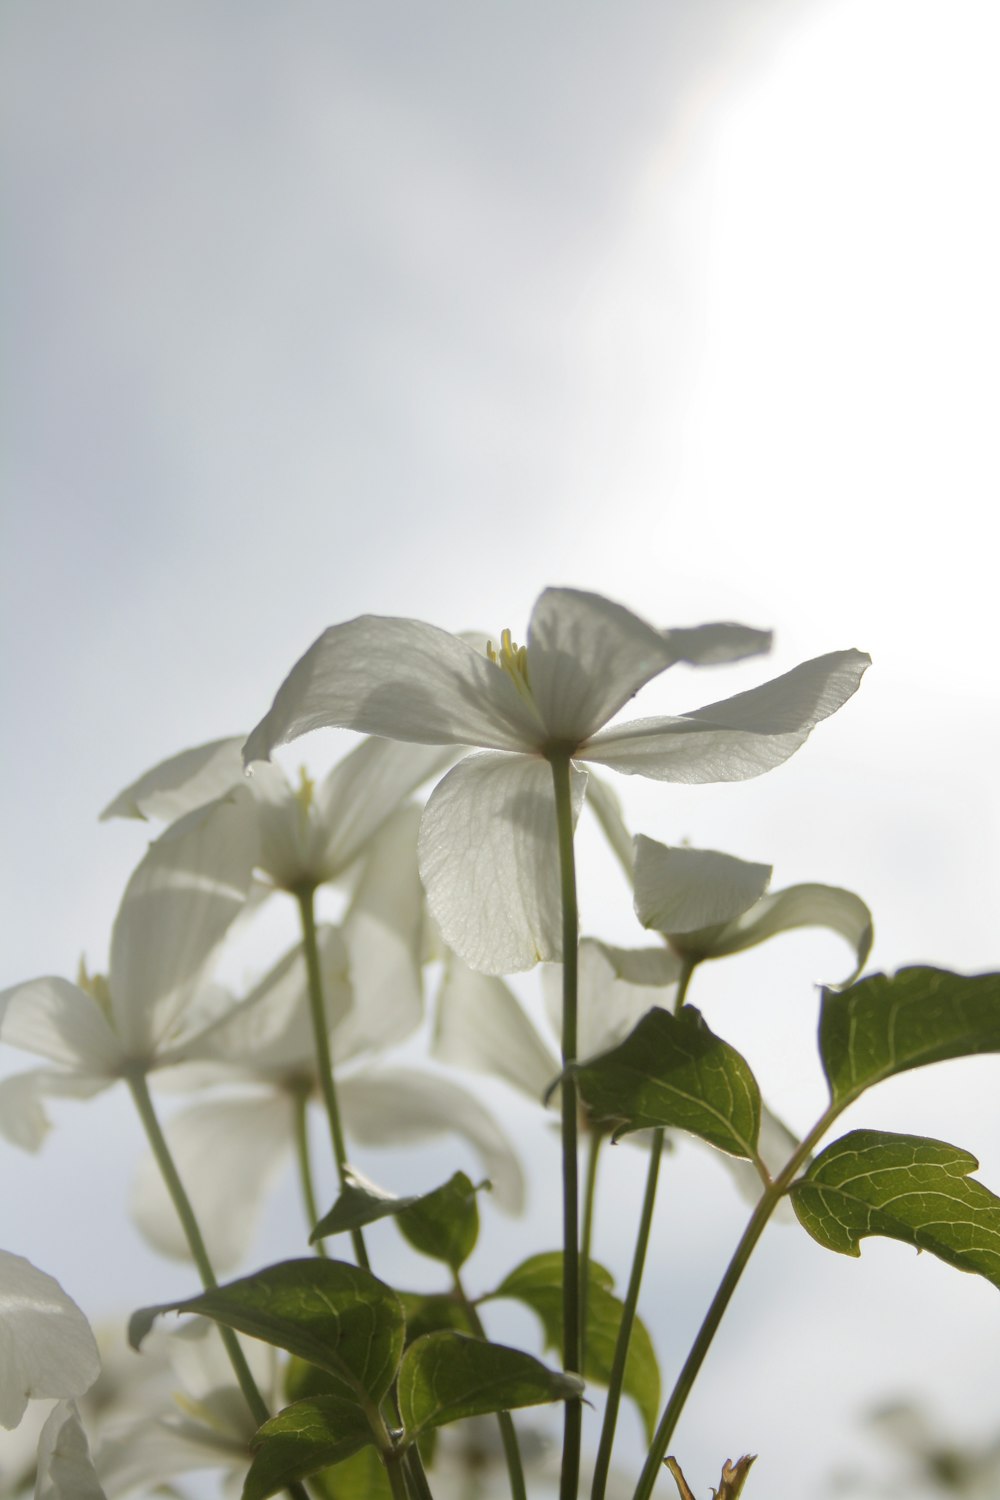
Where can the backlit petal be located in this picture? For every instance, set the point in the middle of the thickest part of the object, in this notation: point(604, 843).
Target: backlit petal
point(615, 989)
point(681, 890)
point(480, 1025)
point(799, 906)
point(401, 679)
point(180, 784)
point(46, 1346)
point(65, 1468)
point(58, 1021)
point(489, 860)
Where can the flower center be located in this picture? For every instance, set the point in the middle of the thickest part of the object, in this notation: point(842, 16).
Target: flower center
point(513, 660)
point(94, 985)
point(303, 795)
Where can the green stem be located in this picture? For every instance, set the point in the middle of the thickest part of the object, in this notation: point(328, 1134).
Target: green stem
point(594, 1142)
point(305, 897)
point(570, 1478)
point(415, 1475)
point(303, 1157)
point(508, 1434)
point(758, 1219)
point(617, 1381)
point(688, 966)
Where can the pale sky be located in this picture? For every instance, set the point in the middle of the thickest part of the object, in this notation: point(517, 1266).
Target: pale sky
point(313, 310)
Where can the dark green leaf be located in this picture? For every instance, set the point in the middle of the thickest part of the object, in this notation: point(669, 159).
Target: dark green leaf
point(362, 1477)
point(446, 1376)
point(537, 1282)
point(301, 1440)
point(443, 1224)
point(331, 1314)
point(905, 1188)
point(886, 1024)
point(672, 1070)
point(360, 1203)
point(430, 1312)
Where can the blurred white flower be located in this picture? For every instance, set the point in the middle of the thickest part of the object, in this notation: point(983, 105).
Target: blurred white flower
point(65, 1468)
point(46, 1346)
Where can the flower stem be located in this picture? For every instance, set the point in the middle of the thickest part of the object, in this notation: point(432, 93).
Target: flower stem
point(144, 1104)
point(595, 1140)
point(305, 896)
point(508, 1434)
point(560, 763)
point(303, 1157)
point(758, 1219)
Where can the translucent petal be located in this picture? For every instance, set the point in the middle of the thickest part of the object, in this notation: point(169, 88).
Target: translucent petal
point(65, 1468)
point(176, 908)
point(607, 809)
point(480, 1025)
point(180, 784)
point(740, 737)
point(396, 1106)
point(716, 644)
point(806, 905)
point(615, 989)
point(23, 1120)
point(680, 890)
point(46, 1346)
point(489, 860)
point(400, 679)
point(586, 657)
point(58, 1021)
point(228, 1153)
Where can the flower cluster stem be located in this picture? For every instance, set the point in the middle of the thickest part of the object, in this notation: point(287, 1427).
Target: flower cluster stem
point(303, 1157)
point(305, 896)
point(570, 1477)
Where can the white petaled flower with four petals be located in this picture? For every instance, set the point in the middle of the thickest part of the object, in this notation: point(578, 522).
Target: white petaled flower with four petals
point(488, 848)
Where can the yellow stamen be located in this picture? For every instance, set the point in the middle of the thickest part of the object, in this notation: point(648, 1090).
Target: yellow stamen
point(512, 659)
point(94, 985)
point(303, 794)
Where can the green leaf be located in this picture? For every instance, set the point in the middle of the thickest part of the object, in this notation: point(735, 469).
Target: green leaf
point(301, 1440)
point(443, 1224)
point(672, 1070)
point(446, 1376)
point(887, 1024)
point(905, 1188)
point(331, 1314)
point(430, 1312)
point(362, 1477)
point(537, 1282)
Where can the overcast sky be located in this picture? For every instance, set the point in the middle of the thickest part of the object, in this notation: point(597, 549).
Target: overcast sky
point(318, 309)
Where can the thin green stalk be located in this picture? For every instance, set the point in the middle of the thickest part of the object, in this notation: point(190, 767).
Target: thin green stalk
point(688, 966)
point(416, 1476)
point(595, 1140)
point(144, 1104)
point(508, 1434)
point(305, 897)
point(758, 1219)
point(303, 1157)
point(570, 1478)
point(617, 1381)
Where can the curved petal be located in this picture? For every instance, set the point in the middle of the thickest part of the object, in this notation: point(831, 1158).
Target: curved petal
point(400, 679)
point(480, 1025)
point(797, 906)
point(740, 737)
point(394, 1106)
point(489, 860)
point(586, 657)
point(282, 826)
point(46, 1346)
point(65, 1468)
point(180, 784)
point(23, 1121)
point(680, 890)
point(604, 804)
point(228, 1153)
point(176, 908)
point(59, 1021)
point(363, 790)
point(717, 644)
point(615, 989)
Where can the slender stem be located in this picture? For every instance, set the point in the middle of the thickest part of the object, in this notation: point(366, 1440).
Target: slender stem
point(755, 1228)
point(508, 1434)
point(595, 1140)
point(688, 966)
point(305, 897)
point(303, 1157)
point(560, 763)
point(617, 1381)
point(415, 1474)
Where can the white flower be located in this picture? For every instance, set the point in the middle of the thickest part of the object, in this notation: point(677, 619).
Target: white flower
point(65, 1468)
point(46, 1346)
point(488, 850)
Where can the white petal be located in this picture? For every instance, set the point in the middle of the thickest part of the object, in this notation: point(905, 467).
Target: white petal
point(615, 989)
point(400, 679)
point(740, 737)
point(489, 860)
point(800, 906)
point(176, 908)
point(228, 1153)
point(182, 783)
point(383, 931)
point(680, 890)
point(586, 657)
point(715, 644)
point(58, 1021)
point(65, 1468)
point(604, 804)
point(364, 789)
point(394, 1106)
point(46, 1346)
point(480, 1025)
point(283, 830)
point(23, 1120)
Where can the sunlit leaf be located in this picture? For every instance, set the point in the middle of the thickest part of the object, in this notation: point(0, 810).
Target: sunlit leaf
point(903, 1187)
point(302, 1439)
point(443, 1224)
point(672, 1070)
point(446, 1376)
point(886, 1024)
point(331, 1314)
